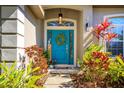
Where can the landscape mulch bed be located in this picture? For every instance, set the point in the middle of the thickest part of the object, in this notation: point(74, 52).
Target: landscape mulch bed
point(77, 82)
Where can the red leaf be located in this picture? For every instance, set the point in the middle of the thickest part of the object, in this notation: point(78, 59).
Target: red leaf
point(106, 24)
point(109, 36)
point(100, 27)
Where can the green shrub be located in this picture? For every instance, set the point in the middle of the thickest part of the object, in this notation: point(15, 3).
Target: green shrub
point(18, 78)
point(95, 64)
point(87, 55)
point(46, 54)
point(116, 72)
point(99, 67)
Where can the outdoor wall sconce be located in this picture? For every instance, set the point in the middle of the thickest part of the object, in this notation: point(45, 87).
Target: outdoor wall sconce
point(87, 24)
point(60, 15)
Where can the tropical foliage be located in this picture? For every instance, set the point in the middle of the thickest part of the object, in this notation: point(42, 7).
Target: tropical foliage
point(32, 75)
point(14, 77)
point(95, 65)
point(97, 68)
point(103, 30)
point(115, 76)
point(46, 54)
point(37, 56)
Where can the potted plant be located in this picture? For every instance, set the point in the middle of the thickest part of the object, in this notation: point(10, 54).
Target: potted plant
point(52, 64)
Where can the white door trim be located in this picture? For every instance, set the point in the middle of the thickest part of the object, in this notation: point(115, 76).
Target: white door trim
point(62, 28)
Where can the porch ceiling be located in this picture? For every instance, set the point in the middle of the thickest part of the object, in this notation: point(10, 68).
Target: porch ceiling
point(80, 7)
point(75, 7)
point(108, 6)
point(37, 11)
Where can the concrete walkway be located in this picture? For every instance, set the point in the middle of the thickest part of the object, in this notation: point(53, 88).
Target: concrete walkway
point(58, 81)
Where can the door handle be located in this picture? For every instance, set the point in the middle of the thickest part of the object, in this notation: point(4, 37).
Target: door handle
point(66, 48)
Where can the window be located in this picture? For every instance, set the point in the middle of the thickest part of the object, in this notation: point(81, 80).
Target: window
point(56, 23)
point(115, 46)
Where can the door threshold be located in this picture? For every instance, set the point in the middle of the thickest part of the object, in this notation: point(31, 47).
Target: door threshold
point(64, 66)
point(63, 71)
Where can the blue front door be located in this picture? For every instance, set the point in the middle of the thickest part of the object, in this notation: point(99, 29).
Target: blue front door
point(62, 46)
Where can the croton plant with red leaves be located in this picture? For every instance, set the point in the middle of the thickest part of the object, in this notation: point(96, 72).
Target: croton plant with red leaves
point(95, 64)
point(103, 59)
point(35, 54)
point(101, 30)
point(98, 61)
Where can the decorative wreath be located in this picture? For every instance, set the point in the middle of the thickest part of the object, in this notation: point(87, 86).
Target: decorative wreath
point(60, 39)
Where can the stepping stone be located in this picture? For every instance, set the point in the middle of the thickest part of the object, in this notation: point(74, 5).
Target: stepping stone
point(58, 81)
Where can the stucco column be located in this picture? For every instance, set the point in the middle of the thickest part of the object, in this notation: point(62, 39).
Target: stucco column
point(87, 34)
point(11, 33)
point(87, 16)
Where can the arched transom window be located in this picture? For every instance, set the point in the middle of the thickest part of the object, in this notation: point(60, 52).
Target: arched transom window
point(56, 23)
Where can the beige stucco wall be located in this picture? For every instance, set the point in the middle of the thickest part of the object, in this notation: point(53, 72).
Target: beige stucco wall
point(87, 34)
point(99, 13)
point(33, 29)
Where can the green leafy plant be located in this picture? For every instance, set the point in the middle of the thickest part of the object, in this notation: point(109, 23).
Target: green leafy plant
point(99, 68)
point(116, 72)
point(95, 64)
point(14, 77)
point(87, 55)
point(92, 48)
point(46, 54)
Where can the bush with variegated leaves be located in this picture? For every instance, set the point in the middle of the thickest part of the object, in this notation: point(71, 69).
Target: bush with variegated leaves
point(36, 55)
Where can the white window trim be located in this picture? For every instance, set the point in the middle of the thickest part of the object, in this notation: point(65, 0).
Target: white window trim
point(112, 16)
point(62, 28)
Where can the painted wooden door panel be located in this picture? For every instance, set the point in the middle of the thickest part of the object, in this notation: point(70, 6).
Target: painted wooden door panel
point(62, 54)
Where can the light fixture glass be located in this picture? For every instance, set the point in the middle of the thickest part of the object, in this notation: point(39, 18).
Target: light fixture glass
point(60, 15)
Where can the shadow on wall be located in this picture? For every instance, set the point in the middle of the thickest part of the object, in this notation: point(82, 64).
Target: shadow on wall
point(89, 39)
point(33, 29)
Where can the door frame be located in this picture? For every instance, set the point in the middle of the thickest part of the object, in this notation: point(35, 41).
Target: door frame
point(62, 28)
